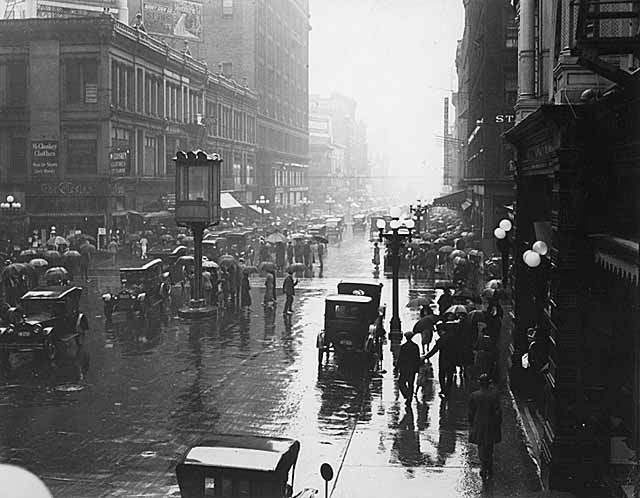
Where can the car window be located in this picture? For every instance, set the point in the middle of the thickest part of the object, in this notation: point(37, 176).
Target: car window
point(346, 311)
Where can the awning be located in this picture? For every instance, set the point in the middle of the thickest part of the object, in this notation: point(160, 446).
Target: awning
point(118, 214)
point(227, 201)
point(618, 255)
point(258, 209)
point(453, 200)
point(157, 215)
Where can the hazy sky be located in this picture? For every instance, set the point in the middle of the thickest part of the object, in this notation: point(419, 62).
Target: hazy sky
point(396, 59)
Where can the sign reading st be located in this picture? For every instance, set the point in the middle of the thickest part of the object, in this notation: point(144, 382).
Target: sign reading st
point(44, 158)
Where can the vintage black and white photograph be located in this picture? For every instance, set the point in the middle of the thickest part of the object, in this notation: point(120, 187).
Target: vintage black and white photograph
point(319, 248)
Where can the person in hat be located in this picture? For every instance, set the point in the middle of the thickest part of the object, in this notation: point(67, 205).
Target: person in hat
point(485, 420)
point(425, 327)
point(408, 365)
point(446, 346)
point(288, 288)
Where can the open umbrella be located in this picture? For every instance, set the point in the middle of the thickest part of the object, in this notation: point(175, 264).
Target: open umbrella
point(490, 293)
point(444, 284)
point(457, 254)
point(320, 238)
point(250, 269)
point(87, 248)
point(39, 263)
point(210, 264)
point(52, 256)
point(57, 241)
point(457, 309)
point(226, 260)
point(276, 237)
point(27, 255)
point(186, 259)
point(166, 237)
point(267, 266)
point(295, 267)
point(419, 301)
point(473, 253)
point(459, 261)
point(72, 255)
point(56, 276)
point(493, 284)
point(445, 249)
point(298, 236)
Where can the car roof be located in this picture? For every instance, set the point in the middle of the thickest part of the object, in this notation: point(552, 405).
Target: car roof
point(145, 267)
point(50, 293)
point(245, 452)
point(371, 283)
point(348, 298)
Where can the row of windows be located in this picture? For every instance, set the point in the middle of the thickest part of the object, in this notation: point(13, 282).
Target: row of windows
point(226, 122)
point(282, 141)
point(289, 177)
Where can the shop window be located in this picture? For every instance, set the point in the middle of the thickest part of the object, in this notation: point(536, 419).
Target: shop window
point(150, 156)
point(81, 81)
point(13, 83)
point(82, 155)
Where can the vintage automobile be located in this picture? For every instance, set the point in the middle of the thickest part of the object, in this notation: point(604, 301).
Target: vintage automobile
point(230, 466)
point(359, 223)
point(319, 229)
point(348, 329)
point(142, 289)
point(42, 319)
point(335, 227)
point(369, 288)
point(238, 241)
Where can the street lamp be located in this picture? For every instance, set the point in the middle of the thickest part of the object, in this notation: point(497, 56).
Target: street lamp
point(330, 202)
point(11, 206)
point(305, 204)
point(400, 230)
point(420, 211)
point(262, 202)
point(197, 207)
point(504, 246)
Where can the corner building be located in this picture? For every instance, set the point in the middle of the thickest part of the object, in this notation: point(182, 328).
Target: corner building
point(92, 112)
point(265, 43)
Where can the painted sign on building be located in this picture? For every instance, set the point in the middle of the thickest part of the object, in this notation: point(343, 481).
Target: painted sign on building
point(119, 162)
point(175, 18)
point(44, 158)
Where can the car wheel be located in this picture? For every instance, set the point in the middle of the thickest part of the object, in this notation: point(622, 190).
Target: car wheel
point(49, 349)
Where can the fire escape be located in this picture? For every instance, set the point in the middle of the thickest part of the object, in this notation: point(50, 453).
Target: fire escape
point(606, 38)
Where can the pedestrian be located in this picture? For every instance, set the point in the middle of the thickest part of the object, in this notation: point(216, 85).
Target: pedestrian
point(425, 327)
point(306, 254)
point(289, 253)
point(408, 365)
point(485, 419)
point(144, 246)
point(232, 284)
point(288, 288)
point(445, 302)
point(245, 287)
point(85, 258)
point(269, 290)
point(298, 252)
point(376, 254)
point(207, 286)
point(250, 254)
point(112, 249)
point(446, 346)
point(321, 255)
point(280, 256)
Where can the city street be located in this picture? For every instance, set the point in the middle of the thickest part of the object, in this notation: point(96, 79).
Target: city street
point(113, 419)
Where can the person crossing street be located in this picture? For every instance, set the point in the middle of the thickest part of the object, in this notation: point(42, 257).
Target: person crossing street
point(288, 287)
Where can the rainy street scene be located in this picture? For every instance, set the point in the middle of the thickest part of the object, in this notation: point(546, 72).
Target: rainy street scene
point(319, 248)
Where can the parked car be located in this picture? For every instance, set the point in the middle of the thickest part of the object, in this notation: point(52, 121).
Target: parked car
point(369, 288)
point(229, 466)
point(142, 289)
point(43, 318)
point(359, 223)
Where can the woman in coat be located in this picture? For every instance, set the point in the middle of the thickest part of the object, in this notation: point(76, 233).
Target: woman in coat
point(270, 289)
point(485, 420)
point(245, 287)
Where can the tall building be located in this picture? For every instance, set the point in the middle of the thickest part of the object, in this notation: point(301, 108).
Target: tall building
point(264, 44)
point(576, 307)
point(92, 112)
point(327, 165)
point(487, 69)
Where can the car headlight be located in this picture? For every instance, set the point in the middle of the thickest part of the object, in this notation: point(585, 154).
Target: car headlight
point(37, 329)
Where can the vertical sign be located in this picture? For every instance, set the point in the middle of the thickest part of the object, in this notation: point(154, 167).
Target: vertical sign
point(44, 158)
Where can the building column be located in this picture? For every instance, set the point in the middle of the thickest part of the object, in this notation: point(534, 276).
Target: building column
point(526, 102)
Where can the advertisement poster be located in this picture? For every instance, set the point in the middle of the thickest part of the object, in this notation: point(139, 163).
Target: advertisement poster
point(119, 162)
point(175, 18)
point(44, 158)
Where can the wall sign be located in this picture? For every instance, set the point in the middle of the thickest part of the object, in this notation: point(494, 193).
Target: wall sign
point(44, 158)
point(119, 162)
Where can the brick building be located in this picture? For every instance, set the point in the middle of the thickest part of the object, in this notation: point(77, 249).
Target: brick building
point(264, 44)
point(92, 112)
point(577, 176)
point(486, 61)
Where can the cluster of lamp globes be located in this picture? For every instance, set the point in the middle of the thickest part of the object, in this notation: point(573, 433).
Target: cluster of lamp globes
point(531, 257)
point(10, 203)
point(395, 222)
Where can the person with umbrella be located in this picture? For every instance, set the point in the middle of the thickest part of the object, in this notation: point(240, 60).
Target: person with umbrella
point(270, 289)
point(288, 288)
point(289, 253)
point(446, 346)
point(485, 419)
point(112, 248)
point(425, 327)
point(85, 261)
point(245, 288)
point(321, 255)
point(408, 366)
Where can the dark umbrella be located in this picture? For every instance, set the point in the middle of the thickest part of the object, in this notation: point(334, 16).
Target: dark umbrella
point(226, 260)
point(72, 255)
point(457, 254)
point(250, 269)
point(490, 293)
point(457, 309)
point(39, 263)
point(267, 266)
point(27, 255)
point(210, 264)
point(419, 301)
point(295, 267)
point(444, 284)
point(52, 256)
point(56, 276)
point(320, 238)
point(87, 248)
point(445, 249)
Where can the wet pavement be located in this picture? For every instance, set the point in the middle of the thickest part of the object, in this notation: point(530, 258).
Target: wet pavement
point(112, 419)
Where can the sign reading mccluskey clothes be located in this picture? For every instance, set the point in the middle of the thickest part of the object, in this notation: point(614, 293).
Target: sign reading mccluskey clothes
point(44, 158)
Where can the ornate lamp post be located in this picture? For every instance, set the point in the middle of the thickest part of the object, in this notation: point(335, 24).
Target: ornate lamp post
point(330, 202)
point(504, 246)
point(304, 202)
point(400, 230)
point(197, 207)
point(10, 206)
point(419, 211)
point(262, 202)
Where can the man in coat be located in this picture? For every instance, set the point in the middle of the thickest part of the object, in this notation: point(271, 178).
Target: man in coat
point(485, 420)
point(288, 288)
point(408, 365)
point(446, 346)
point(425, 327)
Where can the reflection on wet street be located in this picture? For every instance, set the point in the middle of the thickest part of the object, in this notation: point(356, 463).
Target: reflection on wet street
point(111, 418)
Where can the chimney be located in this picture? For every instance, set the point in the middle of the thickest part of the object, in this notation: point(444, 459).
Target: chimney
point(123, 12)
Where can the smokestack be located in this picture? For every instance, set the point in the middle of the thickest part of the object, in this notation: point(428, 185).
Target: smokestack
point(123, 12)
